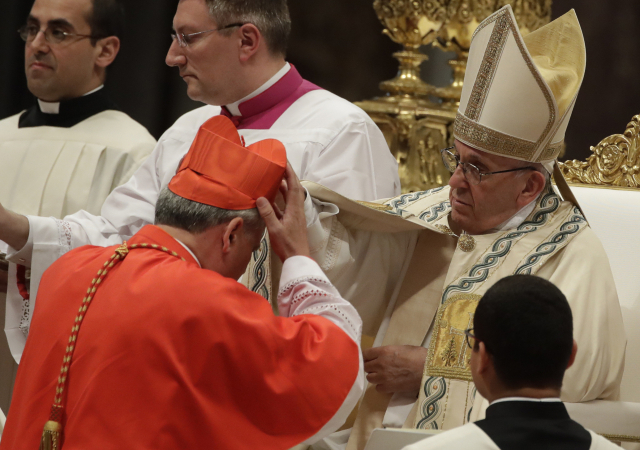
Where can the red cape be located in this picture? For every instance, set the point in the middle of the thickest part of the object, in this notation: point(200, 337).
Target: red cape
point(172, 356)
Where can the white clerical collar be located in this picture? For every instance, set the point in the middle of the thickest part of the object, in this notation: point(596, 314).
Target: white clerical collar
point(516, 220)
point(234, 108)
point(526, 399)
point(189, 250)
point(54, 107)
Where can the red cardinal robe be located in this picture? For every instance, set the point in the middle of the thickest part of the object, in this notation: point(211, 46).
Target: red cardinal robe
point(172, 356)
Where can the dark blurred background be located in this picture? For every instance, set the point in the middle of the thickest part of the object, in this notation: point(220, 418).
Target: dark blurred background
point(338, 45)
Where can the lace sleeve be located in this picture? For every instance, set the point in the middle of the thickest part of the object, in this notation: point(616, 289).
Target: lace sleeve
point(306, 290)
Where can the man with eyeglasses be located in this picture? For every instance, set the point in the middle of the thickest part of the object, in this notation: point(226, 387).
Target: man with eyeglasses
point(74, 146)
point(519, 348)
point(232, 57)
point(415, 266)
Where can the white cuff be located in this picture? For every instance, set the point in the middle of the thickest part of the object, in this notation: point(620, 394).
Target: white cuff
point(23, 255)
point(298, 267)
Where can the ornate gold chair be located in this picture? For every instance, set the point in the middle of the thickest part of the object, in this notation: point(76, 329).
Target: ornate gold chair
point(607, 187)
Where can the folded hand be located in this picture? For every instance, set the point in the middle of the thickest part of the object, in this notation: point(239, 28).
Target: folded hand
point(395, 368)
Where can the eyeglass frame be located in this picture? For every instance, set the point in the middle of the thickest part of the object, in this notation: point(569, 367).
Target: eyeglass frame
point(469, 335)
point(464, 165)
point(183, 39)
point(66, 34)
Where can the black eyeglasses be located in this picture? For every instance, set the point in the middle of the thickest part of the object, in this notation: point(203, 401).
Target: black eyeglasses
point(185, 39)
point(471, 173)
point(470, 337)
point(53, 35)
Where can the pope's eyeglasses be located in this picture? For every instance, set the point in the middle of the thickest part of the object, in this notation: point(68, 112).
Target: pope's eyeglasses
point(53, 35)
point(185, 39)
point(471, 173)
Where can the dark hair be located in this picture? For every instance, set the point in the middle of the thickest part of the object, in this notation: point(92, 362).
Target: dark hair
point(527, 327)
point(271, 17)
point(106, 19)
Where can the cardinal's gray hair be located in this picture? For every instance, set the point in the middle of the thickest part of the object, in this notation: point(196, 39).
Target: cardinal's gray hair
point(178, 212)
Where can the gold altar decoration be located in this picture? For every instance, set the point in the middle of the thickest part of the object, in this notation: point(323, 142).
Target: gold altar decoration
point(416, 128)
point(615, 161)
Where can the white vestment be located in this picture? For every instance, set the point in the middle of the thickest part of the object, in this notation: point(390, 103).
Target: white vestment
point(369, 256)
point(328, 140)
point(54, 171)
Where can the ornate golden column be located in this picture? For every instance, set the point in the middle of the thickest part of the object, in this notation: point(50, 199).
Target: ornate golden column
point(416, 128)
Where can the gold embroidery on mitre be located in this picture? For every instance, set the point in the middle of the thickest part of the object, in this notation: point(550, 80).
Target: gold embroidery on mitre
point(466, 126)
point(552, 152)
point(449, 353)
point(488, 68)
point(479, 136)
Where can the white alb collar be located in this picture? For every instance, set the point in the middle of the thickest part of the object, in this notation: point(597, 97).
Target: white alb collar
point(527, 399)
point(234, 107)
point(189, 250)
point(54, 107)
point(516, 220)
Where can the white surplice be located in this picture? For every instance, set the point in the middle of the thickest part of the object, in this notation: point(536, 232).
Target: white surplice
point(55, 171)
point(328, 140)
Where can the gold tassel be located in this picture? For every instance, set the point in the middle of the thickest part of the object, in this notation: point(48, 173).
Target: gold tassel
point(51, 436)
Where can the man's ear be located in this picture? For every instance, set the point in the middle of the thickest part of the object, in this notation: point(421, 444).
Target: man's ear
point(536, 181)
point(574, 350)
point(484, 358)
point(108, 49)
point(231, 232)
point(250, 40)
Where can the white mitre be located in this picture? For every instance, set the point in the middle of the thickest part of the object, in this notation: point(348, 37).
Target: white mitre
point(519, 92)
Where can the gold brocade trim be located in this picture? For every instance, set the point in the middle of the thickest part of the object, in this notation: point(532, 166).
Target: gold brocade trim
point(488, 68)
point(482, 137)
point(551, 152)
point(449, 353)
point(472, 133)
point(620, 437)
point(376, 206)
point(479, 136)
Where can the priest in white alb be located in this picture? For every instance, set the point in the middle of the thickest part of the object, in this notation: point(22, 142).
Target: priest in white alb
point(69, 150)
point(415, 266)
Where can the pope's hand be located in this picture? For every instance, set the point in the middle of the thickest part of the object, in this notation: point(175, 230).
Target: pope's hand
point(395, 368)
point(288, 228)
